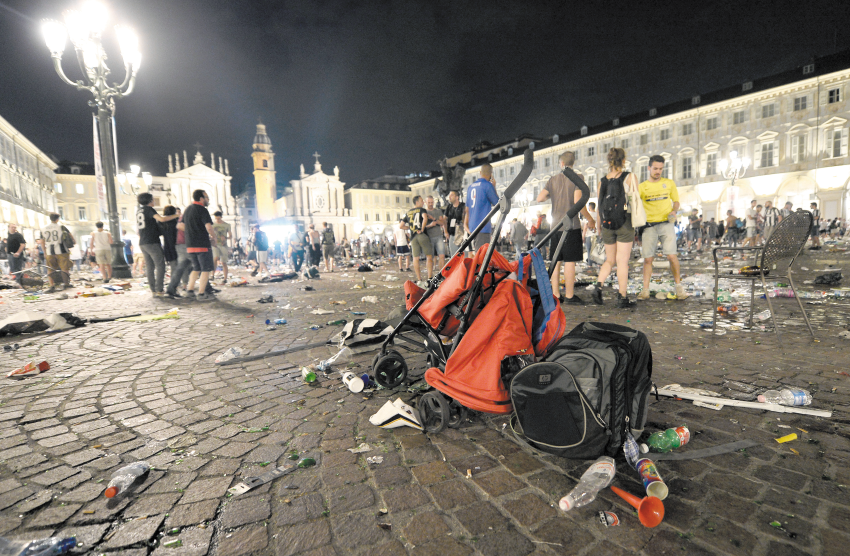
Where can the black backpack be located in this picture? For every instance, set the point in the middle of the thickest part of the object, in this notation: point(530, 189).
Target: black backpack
point(612, 207)
point(593, 387)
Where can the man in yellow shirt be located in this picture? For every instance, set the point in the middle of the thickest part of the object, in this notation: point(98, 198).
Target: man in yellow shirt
point(661, 201)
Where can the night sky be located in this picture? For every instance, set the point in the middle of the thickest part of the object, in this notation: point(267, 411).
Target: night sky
point(392, 86)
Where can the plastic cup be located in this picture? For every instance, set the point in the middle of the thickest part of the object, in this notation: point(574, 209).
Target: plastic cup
point(652, 481)
point(354, 382)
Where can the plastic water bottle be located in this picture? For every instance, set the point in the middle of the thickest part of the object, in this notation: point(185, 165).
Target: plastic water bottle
point(669, 440)
point(275, 321)
point(340, 358)
point(782, 292)
point(764, 315)
point(598, 476)
point(126, 476)
point(308, 374)
point(787, 396)
point(41, 547)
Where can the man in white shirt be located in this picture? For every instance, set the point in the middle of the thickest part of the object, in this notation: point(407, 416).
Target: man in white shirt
point(402, 247)
point(751, 222)
point(589, 231)
point(102, 251)
point(57, 256)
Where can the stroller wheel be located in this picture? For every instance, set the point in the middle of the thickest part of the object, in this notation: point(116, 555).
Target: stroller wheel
point(390, 370)
point(433, 412)
point(457, 414)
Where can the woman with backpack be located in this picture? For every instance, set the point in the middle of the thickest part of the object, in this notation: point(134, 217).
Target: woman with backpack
point(614, 226)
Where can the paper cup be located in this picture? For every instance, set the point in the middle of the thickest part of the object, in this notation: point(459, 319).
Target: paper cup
point(354, 382)
point(652, 481)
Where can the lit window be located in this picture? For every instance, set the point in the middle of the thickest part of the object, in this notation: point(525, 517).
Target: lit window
point(711, 123)
point(834, 96)
point(665, 134)
point(711, 164)
point(739, 117)
point(800, 103)
point(768, 111)
point(61, 212)
point(81, 213)
point(767, 155)
point(687, 129)
point(81, 189)
point(686, 168)
point(798, 148)
point(836, 143)
point(58, 188)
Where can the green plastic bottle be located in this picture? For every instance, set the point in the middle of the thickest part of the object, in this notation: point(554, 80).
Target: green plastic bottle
point(306, 462)
point(308, 374)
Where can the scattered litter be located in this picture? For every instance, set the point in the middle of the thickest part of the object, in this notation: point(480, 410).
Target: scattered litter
point(375, 460)
point(387, 526)
point(30, 369)
point(369, 299)
point(275, 321)
point(172, 314)
point(844, 335)
point(266, 299)
point(26, 322)
point(787, 438)
point(794, 451)
point(361, 449)
point(174, 543)
point(396, 414)
point(739, 403)
point(383, 511)
point(829, 279)
point(231, 353)
point(650, 509)
point(321, 312)
point(250, 483)
point(51, 545)
point(125, 477)
point(608, 519)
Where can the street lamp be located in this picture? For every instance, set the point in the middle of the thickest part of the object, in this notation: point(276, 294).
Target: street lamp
point(734, 167)
point(84, 28)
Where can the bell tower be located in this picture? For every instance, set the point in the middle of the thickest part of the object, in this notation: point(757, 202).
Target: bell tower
point(264, 174)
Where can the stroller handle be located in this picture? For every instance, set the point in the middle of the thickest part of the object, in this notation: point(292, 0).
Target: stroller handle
point(524, 172)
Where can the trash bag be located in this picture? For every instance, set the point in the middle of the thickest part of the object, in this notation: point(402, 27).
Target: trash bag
point(27, 322)
point(829, 279)
point(361, 332)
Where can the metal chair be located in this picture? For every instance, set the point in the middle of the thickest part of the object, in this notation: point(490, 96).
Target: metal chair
point(786, 243)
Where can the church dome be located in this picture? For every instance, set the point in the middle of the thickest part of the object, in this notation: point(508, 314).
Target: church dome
point(261, 138)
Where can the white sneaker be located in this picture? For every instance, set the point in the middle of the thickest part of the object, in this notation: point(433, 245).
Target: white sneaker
point(681, 293)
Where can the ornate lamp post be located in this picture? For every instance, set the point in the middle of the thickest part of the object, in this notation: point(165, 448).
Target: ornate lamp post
point(734, 167)
point(84, 29)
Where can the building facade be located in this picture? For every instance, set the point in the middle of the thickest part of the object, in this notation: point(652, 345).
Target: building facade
point(377, 205)
point(27, 178)
point(793, 126)
point(77, 200)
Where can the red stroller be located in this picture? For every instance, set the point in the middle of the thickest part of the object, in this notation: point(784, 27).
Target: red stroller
point(481, 321)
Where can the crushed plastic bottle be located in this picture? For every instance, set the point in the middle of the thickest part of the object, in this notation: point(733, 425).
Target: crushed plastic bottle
point(40, 547)
point(782, 292)
point(598, 476)
point(275, 321)
point(764, 315)
point(126, 476)
point(231, 353)
point(669, 440)
point(340, 358)
point(787, 396)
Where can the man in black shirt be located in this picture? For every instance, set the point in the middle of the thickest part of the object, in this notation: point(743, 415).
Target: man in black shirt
point(455, 217)
point(417, 219)
point(15, 246)
point(198, 227)
point(147, 224)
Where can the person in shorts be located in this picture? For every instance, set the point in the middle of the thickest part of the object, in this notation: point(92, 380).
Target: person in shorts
point(402, 247)
point(328, 246)
point(815, 231)
point(198, 228)
point(481, 198)
point(562, 189)
point(417, 219)
point(102, 247)
point(694, 229)
point(222, 234)
point(618, 242)
point(296, 245)
point(661, 201)
point(260, 242)
point(56, 255)
point(436, 230)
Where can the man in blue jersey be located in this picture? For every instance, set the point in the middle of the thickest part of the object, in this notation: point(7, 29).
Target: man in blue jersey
point(481, 197)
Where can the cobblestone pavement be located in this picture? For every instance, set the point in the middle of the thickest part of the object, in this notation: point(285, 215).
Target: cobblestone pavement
point(120, 392)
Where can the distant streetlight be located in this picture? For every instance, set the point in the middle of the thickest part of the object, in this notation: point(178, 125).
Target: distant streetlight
point(84, 28)
point(734, 167)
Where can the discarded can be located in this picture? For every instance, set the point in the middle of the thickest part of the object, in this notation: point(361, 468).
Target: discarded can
point(652, 481)
point(608, 519)
point(308, 374)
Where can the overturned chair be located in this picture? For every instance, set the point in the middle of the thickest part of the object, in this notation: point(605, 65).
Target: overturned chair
point(785, 244)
